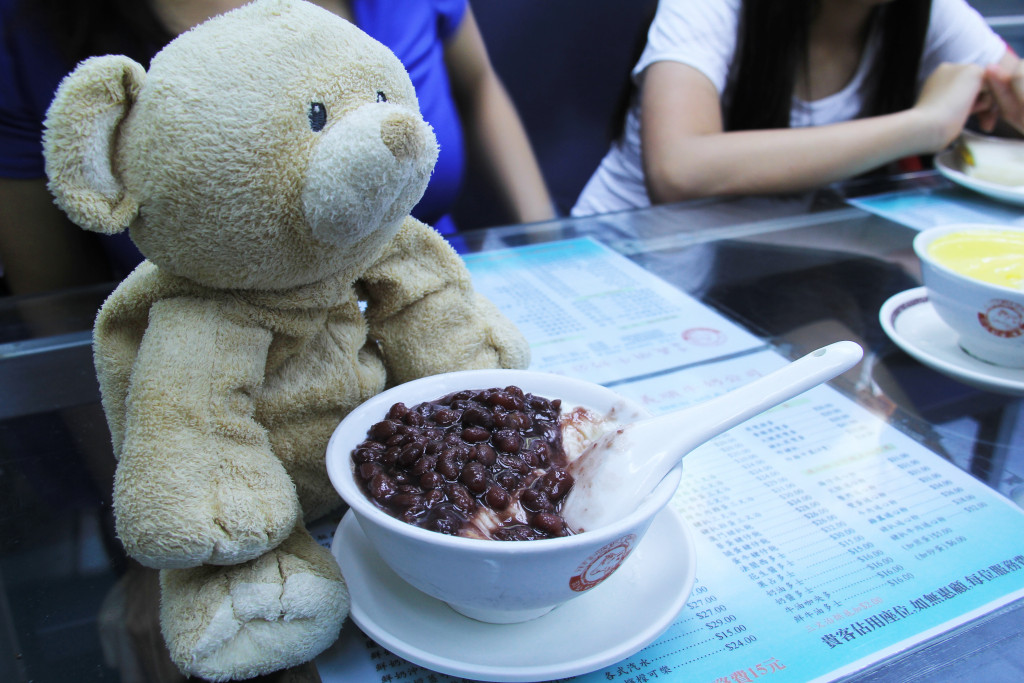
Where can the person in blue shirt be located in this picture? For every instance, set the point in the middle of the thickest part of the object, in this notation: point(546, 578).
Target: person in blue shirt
point(438, 41)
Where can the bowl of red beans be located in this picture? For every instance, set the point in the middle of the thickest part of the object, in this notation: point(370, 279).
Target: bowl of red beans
point(456, 480)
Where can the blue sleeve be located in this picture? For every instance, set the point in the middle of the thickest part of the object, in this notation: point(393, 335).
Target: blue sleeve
point(450, 14)
point(416, 32)
point(30, 70)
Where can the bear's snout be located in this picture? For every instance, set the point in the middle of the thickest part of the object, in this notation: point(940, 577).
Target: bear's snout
point(366, 172)
point(402, 135)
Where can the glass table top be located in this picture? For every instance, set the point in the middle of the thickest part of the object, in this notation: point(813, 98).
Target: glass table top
point(797, 271)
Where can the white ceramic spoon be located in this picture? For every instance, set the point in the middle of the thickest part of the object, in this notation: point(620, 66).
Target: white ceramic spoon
point(615, 472)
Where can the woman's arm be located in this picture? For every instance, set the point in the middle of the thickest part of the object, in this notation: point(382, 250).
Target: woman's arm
point(686, 154)
point(41, 250)
point(1005, 82)
point(493, 127)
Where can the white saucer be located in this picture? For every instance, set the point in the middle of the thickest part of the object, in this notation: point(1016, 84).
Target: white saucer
point(610, 622)
point(947, 164)
point(912, 323)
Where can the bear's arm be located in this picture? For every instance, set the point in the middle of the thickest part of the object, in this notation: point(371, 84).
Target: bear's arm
point(197, 481)
point(426, 317)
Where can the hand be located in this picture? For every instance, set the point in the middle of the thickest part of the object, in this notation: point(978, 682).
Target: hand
point(1006, 90)
point(950, 95)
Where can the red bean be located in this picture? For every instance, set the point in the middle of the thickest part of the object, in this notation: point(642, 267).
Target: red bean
point(406, 500)
point(410, 453)
point(557, 482)
point(497, 498)
point(475, 434)
point(477, 417)
point(536, 500)
point(413, 514)
point(508, 480)
point(474, 476)
point(530, 458)
point(444, 416)
point(446, 519)
point(543, 450)
point(381, 487)
point(460, 496)
point(549, 523)
point(362, 454)
point(484, 454)
point(431, 480)
point(397, 411)
point(516, 464)
point(368, 470)
point(449, 466)
point(507, 441)
point(502, 399)
point(424, 465)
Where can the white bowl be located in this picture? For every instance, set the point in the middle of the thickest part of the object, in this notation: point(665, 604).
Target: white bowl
point(989, 318)
point(489, 580)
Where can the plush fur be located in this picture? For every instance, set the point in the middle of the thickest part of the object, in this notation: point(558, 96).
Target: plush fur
point(284, 284)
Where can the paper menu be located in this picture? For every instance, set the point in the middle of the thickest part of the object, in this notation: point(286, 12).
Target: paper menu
point(826, 538)
point(922, 208)
point(588, 312)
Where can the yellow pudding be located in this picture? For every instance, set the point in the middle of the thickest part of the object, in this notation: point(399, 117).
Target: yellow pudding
point(994, 256)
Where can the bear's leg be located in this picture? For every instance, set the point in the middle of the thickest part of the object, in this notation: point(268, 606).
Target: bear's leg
point(233, 622)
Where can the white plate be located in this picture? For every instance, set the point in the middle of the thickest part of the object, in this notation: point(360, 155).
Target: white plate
point(912, 323)
point(947, 164)
point(627, 612)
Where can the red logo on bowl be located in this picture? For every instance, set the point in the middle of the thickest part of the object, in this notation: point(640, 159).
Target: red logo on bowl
point(601, 564)
point(1003, 318)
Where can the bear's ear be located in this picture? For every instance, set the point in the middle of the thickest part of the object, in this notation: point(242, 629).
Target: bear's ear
point(80, 142)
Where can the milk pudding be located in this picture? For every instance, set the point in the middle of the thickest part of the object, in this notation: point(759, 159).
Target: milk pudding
point(993, 256)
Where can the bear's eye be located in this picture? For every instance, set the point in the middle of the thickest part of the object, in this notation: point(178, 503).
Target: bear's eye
point(381, 97)
point(317, 116)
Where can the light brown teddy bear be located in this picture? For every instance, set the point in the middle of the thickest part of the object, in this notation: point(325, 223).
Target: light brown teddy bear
point(265, 166)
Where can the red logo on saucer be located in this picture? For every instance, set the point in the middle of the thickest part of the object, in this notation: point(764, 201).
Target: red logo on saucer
point(601, 564)
point(1003, 318)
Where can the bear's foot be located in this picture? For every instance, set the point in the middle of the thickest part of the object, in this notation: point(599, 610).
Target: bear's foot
point(234, 622)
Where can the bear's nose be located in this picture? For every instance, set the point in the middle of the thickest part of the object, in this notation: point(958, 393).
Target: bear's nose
point(402, 135)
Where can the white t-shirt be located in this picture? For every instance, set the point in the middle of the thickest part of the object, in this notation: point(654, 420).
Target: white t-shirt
point(702, 34)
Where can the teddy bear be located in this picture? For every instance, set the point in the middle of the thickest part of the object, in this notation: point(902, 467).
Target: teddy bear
point(265, 165)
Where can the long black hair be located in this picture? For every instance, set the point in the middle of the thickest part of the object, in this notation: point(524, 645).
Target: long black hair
point(772, 48)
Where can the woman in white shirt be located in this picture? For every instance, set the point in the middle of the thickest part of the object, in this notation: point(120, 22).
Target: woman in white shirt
point(769, 96)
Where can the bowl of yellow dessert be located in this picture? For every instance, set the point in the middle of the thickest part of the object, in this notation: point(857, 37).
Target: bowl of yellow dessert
point(974, 275)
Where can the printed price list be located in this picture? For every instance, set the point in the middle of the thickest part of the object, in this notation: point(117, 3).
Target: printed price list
point(593, 314)
point(707, 628)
